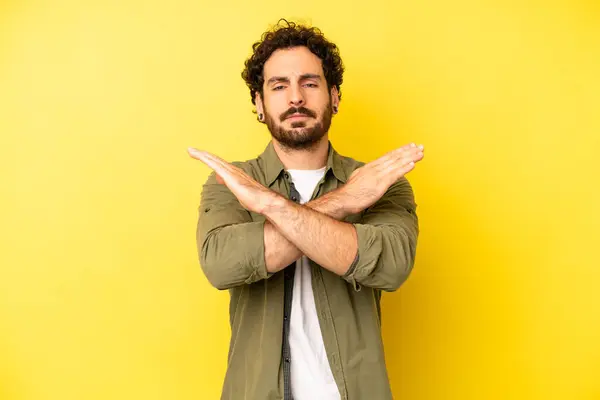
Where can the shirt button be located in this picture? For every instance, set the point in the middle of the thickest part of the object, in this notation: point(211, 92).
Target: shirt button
point(285, 317)
point(293, 198)
point(287, 359)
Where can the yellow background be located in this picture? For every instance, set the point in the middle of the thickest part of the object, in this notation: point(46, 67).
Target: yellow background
point(101, 296)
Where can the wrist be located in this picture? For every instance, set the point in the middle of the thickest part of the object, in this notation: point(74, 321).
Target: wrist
point(273, 203)
point(332, 203)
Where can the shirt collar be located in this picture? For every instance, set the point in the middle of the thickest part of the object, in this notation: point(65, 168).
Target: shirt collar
point(273, 165)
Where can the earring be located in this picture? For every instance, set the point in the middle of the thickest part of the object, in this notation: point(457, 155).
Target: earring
point(335, 109)
point(260, 117)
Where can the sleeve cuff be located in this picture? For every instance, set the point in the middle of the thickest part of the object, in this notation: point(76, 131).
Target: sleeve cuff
point(365, 235)
point(255, 242)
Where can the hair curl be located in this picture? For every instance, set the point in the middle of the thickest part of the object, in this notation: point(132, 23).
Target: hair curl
point(285, 36)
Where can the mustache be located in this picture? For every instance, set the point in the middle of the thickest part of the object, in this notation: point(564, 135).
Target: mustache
point(298, 110)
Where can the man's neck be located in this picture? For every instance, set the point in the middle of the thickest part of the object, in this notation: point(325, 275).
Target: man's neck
point(308, 159)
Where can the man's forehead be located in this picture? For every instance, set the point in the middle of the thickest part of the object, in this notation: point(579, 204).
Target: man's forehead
point(292, 63)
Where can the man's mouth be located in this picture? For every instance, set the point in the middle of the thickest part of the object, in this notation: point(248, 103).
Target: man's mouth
point(297, 115)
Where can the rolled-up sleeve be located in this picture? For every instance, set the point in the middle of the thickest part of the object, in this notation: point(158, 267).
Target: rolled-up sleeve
point(387, 240)
point(230, 245)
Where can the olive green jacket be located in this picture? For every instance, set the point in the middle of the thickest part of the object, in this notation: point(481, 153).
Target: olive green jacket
point(231, 252)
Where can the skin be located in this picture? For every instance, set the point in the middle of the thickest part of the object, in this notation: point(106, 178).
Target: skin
point(294, 78)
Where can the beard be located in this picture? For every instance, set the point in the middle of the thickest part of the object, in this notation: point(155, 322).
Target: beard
point(300, 137)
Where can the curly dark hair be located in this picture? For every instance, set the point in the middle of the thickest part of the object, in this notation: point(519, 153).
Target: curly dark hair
point(286, 35)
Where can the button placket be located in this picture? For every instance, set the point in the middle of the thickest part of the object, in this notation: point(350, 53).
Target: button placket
point(289, 273)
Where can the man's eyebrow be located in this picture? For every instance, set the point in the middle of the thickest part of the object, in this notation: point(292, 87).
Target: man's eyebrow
point(310, 76)
point(278, 79)
point(286, 79)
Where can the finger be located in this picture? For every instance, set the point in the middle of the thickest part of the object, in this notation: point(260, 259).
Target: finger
point(401, 170)
point(225, 173)
point(412, 154)
point(232, 169)
point(395, 171)
point(411, 147)
point(201, 156)
point(206, 156)
point(396, 153)
point(393, 154)
point(210, 161)
point(415, 155)
point(387, 156)
point(408, 162)
point(195, 153)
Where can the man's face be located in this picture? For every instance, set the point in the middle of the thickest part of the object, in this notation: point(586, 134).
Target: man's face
point(296, 102)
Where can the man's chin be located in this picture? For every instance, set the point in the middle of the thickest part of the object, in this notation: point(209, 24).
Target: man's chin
point(299, 124)
point(298, 141)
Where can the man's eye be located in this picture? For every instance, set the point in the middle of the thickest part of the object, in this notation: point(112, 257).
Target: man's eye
point(278, 87)
point(311, 85)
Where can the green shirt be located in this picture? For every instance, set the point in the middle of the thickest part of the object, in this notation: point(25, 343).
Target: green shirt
point(231, 251)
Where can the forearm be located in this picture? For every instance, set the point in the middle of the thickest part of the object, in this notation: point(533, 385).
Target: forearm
point(279, 251)
point(310, 231)
point(232, 255)
point(387, 241)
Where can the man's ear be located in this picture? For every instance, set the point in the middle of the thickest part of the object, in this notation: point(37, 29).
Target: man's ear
point(335, 99)
point(260, 108)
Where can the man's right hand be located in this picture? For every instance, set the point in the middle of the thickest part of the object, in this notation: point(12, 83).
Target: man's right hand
point(369, 183)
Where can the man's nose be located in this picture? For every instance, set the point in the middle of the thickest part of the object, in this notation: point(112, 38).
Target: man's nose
point(296, 96)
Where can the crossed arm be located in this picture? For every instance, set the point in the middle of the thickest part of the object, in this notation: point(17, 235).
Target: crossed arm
point(378, 251)
point(315, 230)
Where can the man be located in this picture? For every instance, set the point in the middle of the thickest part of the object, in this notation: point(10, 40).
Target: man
point(305, 239)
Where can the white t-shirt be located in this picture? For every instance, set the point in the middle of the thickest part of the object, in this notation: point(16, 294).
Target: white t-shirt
point(311, 376)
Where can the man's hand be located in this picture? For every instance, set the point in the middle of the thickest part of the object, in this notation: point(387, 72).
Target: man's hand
point(252, 195)
point(369, 183)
